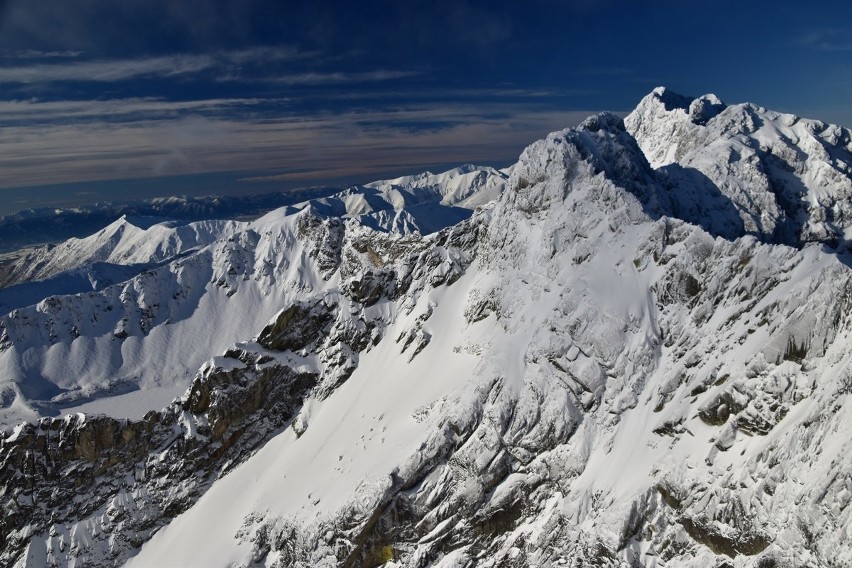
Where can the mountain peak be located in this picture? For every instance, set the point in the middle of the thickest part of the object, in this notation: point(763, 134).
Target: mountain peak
point(670, 99)
point(603, 121)
point(698, 109)
point(788, 179)
point(702, 109)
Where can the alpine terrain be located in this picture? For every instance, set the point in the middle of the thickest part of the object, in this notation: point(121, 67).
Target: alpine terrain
point(630, 348)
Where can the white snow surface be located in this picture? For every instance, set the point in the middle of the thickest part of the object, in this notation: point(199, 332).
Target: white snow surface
point(585, 348)
point(353, 440)
point(144, 302)
point(127, 241)
point(787, 178)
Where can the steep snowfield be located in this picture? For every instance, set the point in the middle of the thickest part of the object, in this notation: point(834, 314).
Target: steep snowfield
point(613, 363)
point(353, 440)
point(156, 329)
point(616, 352)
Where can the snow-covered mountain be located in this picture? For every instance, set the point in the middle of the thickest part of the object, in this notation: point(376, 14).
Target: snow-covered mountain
point(778, 176)
point(35, 227)
point(135, 309)
point(634, 352)
point(114, 254)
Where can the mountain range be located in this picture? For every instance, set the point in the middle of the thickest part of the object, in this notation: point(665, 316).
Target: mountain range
point(630, 348)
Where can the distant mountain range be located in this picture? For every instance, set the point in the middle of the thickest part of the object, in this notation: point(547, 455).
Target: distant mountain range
point(33, 227)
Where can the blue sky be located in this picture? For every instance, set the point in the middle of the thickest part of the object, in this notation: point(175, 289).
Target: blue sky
point(281, 94)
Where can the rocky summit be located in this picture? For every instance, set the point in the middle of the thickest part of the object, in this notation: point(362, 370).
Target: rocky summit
point(628, 349)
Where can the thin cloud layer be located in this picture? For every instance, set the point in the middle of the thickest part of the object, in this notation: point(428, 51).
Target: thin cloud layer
point(352, 144)
point(107, 70)
point(37, 54)
point(33, 112)
point(114, 70)
point(828, 40)
point(341, 78)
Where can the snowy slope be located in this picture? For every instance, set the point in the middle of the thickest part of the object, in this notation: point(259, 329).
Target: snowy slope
point(433, 200)
point(128, 240)
point(468, 186)
point(589, 366)
point(114, 254)
point(36, 227)
point(601, 367)
point(140, 305)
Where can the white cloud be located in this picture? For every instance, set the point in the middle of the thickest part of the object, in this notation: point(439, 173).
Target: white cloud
point(37, 54)
point(828, 40)
point(341, 78)
point(106, 70)
point(270, 53)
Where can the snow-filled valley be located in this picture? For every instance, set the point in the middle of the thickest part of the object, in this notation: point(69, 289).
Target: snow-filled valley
point(628, 349)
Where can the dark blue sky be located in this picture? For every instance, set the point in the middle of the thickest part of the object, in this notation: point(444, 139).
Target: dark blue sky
point(299, 93)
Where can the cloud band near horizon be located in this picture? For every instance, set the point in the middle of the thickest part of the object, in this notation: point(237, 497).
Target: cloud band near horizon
point(80, 141)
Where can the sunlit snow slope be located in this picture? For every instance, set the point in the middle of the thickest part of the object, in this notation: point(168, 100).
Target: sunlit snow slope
point(136, 308)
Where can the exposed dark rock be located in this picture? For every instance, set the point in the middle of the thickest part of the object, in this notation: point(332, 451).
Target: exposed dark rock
point(370, 287)
point(732, 545)
point(47, 467)
point(718, 410)
point(297, 326)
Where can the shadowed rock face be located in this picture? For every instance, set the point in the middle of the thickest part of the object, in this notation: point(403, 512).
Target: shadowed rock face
point(71, 469)
point(296, 327)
